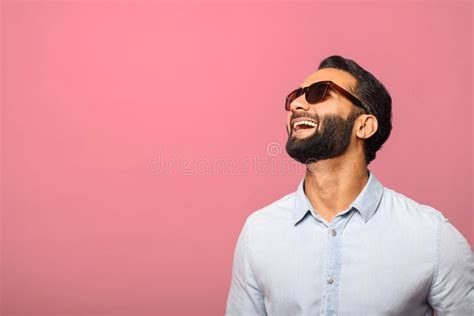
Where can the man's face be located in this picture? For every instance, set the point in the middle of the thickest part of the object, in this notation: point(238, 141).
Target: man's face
point(329, 131)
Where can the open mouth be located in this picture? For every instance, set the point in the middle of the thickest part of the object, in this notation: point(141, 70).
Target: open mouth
point(303, 126)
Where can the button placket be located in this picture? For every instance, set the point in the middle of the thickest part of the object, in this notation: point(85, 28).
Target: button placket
point(333, 261)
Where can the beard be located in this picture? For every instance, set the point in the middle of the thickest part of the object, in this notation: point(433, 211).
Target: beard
point(330, 139)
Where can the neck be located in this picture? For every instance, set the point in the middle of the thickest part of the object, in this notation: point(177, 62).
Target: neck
point(332, 185)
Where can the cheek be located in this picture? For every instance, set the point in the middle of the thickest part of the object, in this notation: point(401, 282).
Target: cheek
point(288, 120)
point(334, 107)
point(330, 109)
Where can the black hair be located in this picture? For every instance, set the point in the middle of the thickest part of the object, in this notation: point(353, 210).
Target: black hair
point(373, 94)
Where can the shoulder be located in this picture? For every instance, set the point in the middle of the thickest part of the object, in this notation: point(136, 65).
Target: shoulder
point(420, 224)
point(400, 205)
point(271, 216)
point(277, 209)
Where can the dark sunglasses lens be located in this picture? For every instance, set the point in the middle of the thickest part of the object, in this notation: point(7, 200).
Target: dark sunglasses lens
point(293, 95)
point(316, 93)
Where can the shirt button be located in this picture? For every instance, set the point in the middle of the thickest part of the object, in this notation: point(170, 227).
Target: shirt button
point(330, 280)
point(333, 232)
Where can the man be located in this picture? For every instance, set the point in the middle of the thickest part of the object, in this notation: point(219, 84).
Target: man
point(343, 244)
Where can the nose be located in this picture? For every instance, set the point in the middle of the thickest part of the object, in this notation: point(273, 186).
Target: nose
point(299, 104)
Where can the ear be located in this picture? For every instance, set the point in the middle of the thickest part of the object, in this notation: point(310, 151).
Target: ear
point(367, 125)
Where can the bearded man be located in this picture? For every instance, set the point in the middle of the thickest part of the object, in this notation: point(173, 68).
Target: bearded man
point(343, 244)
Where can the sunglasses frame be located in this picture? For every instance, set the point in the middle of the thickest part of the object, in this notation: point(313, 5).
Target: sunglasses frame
point(329, 84)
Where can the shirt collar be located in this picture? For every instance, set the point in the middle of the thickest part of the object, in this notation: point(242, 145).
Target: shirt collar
point(366, 202)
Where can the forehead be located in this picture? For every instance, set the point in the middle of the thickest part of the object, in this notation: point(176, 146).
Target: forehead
point(339, 77)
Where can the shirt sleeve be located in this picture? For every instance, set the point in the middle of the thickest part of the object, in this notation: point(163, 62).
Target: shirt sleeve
point(452, 290)
point(245, 296)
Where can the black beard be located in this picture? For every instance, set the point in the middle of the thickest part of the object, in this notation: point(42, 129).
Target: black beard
point(332, 140)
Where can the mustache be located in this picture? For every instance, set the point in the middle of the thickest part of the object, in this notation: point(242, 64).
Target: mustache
point(314, 117)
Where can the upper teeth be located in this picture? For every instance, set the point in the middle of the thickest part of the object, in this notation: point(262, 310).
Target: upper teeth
point(305, 123)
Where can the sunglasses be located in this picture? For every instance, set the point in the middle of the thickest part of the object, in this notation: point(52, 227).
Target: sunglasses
point(318, 91)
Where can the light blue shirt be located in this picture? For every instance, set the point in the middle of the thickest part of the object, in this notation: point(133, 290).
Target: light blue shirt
point(385, 255)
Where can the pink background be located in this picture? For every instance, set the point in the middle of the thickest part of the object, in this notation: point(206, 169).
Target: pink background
point(137, 137)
